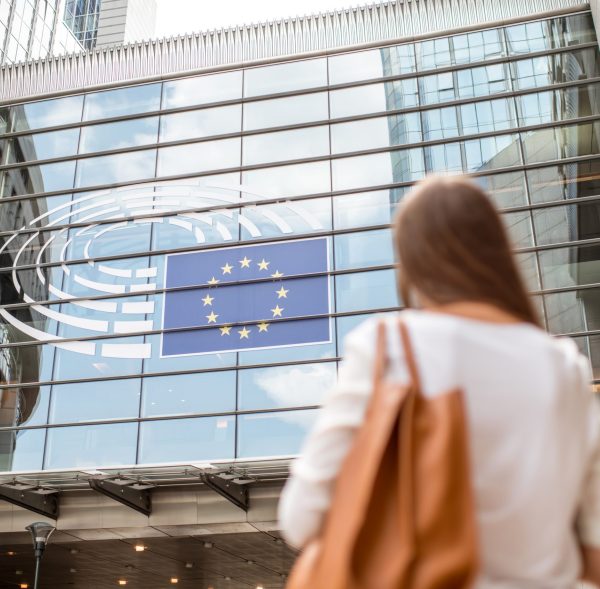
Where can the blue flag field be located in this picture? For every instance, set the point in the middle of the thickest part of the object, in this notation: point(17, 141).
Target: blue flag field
point(277, 292)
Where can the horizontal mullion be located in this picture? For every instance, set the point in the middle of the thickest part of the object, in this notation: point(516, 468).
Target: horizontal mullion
point(185, 372)
point(304, 91)
point(197, 248)
point(321, 123)
point(195, 175)
point(172, 289)
point(163, 331)
point(120, 420)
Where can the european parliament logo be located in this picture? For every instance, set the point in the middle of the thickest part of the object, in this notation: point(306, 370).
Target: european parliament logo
point(247, 297)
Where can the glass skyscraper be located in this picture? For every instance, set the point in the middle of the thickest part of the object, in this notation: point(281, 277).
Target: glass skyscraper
point(81, 16)
point(33, 29)
point(183, 252)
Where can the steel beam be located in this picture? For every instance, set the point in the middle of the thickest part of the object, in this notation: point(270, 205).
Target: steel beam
point(236, 493)
point(37, 499)
point(126, 493)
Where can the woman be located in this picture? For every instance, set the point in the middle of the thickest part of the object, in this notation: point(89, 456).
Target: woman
point(532, 419)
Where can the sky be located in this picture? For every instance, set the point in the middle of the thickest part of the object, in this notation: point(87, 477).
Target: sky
point(176, 17)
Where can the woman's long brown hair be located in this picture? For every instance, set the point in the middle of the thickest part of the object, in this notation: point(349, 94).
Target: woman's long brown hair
point(452, 246)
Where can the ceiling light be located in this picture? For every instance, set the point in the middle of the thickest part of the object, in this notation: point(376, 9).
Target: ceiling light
point(18, 572)
point(24, 586)
point(208, 544)
point(11, 553)
point(139, 548)
point(259, 587)
point(174, 580)
point(189, 565)
point(122, 582)
point(72, 570)
point(73, 551)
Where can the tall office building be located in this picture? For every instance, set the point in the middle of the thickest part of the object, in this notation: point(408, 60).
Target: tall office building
point(189, 227)
point(33, 29)
point(103, 23)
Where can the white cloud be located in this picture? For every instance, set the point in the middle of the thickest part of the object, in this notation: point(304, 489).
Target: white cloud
point(176, 17)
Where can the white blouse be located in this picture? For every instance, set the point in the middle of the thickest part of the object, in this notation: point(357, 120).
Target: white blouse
point(534, 437)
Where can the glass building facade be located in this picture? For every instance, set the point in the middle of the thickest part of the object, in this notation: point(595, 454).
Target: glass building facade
point(33, 29)
point(81, 16)
point(104, 193)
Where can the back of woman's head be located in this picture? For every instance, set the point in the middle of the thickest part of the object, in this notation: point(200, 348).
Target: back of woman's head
point(452, 246)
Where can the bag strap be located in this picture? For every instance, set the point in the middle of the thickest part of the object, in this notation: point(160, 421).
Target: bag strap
point(409, 356)
point(381, 362)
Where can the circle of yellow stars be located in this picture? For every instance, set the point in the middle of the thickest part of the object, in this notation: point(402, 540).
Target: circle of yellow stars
point(246, 330)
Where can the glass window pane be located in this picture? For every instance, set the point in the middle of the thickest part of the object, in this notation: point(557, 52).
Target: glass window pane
point(111, 169)
point(286, 145)
point(364, 249)
point(433, 53)
point(34, 179)
point(199, 157)
point(478, 46)
point(90, 401)
point(492, 152)
point(289, 180)
point(187, 440)
point(201, 123)
point(41, 146)
point(440, 123)
point(291, 110)
point(21, 450)
point(119, 135)
point(202, 90)
point(47, 113)
point(482, 117)
point(285, 77)
point(482, 81)
point(124, 101)
point(444, 159)
point(91, 445)
point(437, 88)
point(209, 392)
point(366, 290)
point(519, 228)
point(377, 63)
point(366, 208)
point(574, 29)
point(506, 190)
point(376, 132)
point(273, 434)
point(564, 182)
point(529, 37)
point(285, 386)
point(562, 142)
point(405, 165)
point(374, 98)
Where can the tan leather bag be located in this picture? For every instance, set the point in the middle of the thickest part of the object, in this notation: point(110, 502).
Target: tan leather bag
point(402, 515)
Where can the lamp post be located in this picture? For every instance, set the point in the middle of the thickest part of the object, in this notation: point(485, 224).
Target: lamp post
point(40, 533)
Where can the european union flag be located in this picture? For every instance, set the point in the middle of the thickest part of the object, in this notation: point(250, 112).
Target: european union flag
point(261, 286)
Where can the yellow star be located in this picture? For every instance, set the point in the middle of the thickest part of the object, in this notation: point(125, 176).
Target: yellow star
point(225, 329)
point(262, 265)
point(277, 274)
point(277, 311)
point(213, 280)
point(263, 326)
point(212, 318)
point(282, 293)
point(245, 262)
point(244, 333)
point(207, 300)
point(227, 269)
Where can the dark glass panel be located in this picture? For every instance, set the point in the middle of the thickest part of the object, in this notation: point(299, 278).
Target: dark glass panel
point(41, 146)
point(35, 179)
point(111, 169)
point(363, 249)
point(366, 290)
point(205, 122)
point(290, 110)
